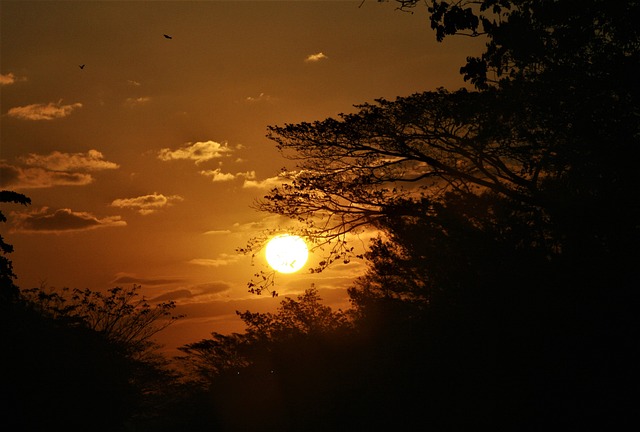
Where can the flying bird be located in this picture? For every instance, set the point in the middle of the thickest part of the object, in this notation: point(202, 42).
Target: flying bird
point(167, 36)
point(81, 66)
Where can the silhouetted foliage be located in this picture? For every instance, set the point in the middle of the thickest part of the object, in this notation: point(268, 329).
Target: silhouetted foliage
point(121, 316)
point(530, 39)
point(8, 290)
point(351, 171)
point(283, 367)
point(500, 291)
point(507, 261)
point(545, 144)
point(81, 359)
point(305, 316)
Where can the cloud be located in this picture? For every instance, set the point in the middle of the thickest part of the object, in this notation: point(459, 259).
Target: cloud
point(93, 160)
point(134, 83)
point(123, 278)
point(132, 102)
point(222, 260)
point(198, 152)
point(7, 79)
point(10, 78)
point(262, 97)
point(217, 175)
point(61, 221)
point(268, 183)
point(192, 291)
point(313, 58)
point(48, 111)
point(147, 204)
point(217, 232)
point(54, 169)
point(263, 224)
point(209, 288)
point(31, 178)
point(173, 295)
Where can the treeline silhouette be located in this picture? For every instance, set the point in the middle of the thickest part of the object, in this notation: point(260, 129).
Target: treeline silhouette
point(80, 360)
point(501, 292)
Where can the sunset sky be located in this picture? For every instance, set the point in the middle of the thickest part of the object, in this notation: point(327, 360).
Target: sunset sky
point(143, 165)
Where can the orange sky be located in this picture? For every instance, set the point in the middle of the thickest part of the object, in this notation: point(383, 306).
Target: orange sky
point(142, 167)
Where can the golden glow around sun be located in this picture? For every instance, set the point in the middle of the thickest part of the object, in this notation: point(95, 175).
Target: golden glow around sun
point(286, 253)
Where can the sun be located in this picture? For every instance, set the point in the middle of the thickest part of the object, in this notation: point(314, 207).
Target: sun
point(286, 253)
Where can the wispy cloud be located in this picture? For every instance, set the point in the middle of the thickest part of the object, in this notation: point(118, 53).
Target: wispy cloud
point(10, 78)
point(192, 291)
point(223, 259)
point(50, 111)
point(173, 295)
point(147, 204)
point(313, 58)
point(133, 102)
point(267, 183)
point(64, 220)
point(217, 232)
point(198, 152)
point(250, 226)
point(93, 160)
point(125, 278)
point(262, 97)
point(218, 176)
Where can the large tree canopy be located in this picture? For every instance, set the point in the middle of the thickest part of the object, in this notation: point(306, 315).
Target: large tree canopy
point(353, 170)
point(556, 136)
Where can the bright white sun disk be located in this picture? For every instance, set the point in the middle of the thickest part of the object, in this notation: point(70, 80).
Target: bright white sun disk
point(286, 253)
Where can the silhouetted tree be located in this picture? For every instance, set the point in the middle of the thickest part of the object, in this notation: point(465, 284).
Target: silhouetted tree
point(304, 317)
point(508, 215)
point(8, 290)
point(530, 39)
point(544, 142)
point(354, 170)
point(121, 316)
point(83, 360)
point(286, 367)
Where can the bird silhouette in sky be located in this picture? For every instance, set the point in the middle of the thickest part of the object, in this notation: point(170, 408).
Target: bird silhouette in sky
point(167, 36)
point(81, 66)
